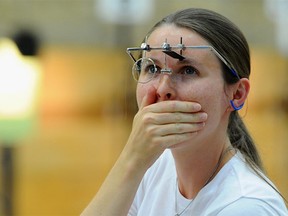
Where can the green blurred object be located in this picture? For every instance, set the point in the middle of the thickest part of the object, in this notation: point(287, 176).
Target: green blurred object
point(12, 130)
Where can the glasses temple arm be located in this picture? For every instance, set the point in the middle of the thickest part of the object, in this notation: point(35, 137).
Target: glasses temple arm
point(225, 62)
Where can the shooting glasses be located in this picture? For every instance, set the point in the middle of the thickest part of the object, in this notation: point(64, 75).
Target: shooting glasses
point(145, 69)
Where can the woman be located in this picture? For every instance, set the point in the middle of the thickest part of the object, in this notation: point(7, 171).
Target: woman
point(189, 152)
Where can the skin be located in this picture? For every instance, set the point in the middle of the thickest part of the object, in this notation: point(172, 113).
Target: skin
point(190, 118)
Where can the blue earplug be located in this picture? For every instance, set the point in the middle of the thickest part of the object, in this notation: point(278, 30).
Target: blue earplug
point(234, 107)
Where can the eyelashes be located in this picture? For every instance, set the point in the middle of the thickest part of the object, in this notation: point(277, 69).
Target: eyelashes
point(187, 70)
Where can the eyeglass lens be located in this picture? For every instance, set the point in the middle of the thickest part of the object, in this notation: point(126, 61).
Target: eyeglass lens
point(144, 70)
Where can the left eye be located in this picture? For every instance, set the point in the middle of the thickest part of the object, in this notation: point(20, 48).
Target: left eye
point(189, 70)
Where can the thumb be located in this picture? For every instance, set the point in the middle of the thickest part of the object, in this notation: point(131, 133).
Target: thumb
point(149, 98)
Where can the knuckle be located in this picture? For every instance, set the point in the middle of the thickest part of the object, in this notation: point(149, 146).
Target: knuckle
point(147, 118)
point(150, 131)
point(178, 117)
point(145, 109)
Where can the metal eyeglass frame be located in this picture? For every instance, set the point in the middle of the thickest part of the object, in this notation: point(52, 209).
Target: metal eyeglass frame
point(168, 50)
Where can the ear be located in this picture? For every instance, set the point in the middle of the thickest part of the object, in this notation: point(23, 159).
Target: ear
point(240, 94)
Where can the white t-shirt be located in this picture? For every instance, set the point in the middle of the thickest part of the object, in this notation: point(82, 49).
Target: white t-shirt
point(235, 191)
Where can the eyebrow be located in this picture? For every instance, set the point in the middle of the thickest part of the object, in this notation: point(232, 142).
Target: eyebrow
point(188, 61)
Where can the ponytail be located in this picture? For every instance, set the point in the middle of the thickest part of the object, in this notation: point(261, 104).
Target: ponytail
point(242, 141)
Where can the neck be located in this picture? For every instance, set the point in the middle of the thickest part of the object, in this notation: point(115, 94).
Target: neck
point(197, 167)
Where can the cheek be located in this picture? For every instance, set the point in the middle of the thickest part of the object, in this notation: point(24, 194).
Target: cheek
point(215, 105)
point(211, 97)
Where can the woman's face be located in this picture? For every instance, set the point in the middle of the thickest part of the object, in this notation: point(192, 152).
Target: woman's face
point(205, 84)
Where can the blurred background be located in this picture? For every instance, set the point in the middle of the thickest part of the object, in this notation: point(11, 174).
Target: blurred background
point(67, 97)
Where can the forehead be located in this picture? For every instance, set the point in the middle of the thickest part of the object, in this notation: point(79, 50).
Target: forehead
point(172, 34)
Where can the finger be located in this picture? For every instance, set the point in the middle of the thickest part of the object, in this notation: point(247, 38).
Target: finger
point(176, 128)
point(174, 139)
point(149, 98)
point(175, 106)
point(179, 117)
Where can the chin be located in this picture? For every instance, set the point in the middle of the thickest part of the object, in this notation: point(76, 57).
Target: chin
point(193, 143)
point(183, 145)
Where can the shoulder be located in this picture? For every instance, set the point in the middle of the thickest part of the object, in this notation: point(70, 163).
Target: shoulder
point(251, 206)
point(252, 183)
point(238, 190)
point(253, 193)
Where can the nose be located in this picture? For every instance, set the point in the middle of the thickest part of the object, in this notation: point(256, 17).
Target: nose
point(165, 88)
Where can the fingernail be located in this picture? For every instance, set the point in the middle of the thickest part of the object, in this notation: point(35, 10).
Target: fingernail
point(197, 107)
point(203, 116)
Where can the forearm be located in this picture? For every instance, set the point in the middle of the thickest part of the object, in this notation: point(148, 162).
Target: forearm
point(118, 190)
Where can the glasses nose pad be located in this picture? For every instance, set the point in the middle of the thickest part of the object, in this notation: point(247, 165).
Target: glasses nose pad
point(173, 76)
point(166, 71)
